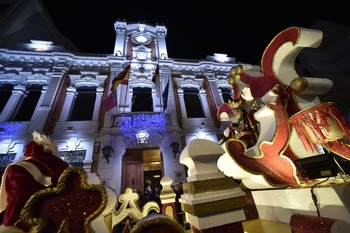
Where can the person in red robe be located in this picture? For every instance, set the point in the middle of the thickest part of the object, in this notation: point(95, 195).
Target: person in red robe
point(243, 125)
point(41, 168)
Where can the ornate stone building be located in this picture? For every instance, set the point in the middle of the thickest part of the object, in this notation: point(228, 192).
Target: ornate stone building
point(166, 102)
point(47, 85)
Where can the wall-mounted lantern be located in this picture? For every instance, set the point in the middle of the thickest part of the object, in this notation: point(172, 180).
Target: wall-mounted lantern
point(107, 152)
point(176, 147)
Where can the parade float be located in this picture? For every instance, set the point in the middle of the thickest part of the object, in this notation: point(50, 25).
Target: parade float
point(297, 141)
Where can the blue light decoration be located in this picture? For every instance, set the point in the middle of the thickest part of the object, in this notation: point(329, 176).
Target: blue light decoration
point(152, 123)
point(9, 129)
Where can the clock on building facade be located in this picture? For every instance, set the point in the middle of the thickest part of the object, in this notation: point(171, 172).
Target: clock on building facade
point(141, 38)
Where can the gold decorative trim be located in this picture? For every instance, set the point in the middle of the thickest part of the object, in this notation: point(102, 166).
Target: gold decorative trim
point(129, 208)
point(215, 207)
point(154, 220)
point(202, 186)
point(40, 222)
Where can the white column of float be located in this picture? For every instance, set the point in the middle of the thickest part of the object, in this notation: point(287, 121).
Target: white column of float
point(211, 201)
point(12, 103)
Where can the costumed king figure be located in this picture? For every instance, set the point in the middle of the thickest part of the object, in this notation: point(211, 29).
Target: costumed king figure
point(243, 125)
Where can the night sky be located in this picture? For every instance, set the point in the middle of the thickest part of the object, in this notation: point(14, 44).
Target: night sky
point(240, 30)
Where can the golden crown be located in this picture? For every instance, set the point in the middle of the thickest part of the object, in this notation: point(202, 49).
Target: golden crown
point(234, 104)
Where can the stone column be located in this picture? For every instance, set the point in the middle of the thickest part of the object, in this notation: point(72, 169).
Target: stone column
point(70, 95)
point(14, 100)
point(98, 100)
point(212, 202)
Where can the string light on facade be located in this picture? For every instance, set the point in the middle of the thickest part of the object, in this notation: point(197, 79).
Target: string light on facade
point(142, 128)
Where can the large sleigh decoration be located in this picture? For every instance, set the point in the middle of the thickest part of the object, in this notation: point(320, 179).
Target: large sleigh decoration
point(294, 123)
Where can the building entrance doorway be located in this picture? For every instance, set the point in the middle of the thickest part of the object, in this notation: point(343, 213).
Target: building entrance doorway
point(141, 167)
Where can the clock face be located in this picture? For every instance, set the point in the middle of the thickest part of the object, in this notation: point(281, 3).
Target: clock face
point(141, 38)
point(142, 56)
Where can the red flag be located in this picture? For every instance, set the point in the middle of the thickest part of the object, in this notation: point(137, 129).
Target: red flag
point(121, 78)
point(110, 102)
point(156, 81)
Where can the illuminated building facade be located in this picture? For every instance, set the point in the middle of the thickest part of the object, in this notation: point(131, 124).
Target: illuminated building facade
point(48, 88)
point(46, 85)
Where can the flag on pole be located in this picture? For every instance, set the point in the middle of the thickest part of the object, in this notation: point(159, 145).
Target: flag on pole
point(110, 102)
point(155, 75)
point(156, 81)
point(165, 96)
point(122, 78)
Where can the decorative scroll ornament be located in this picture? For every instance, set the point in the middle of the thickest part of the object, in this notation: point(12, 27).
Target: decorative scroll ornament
point(320, 124)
